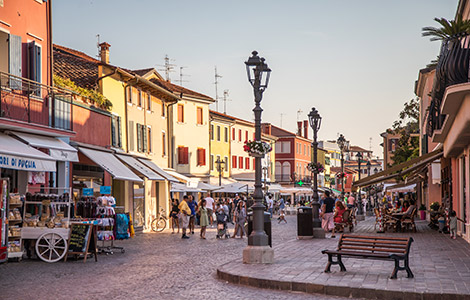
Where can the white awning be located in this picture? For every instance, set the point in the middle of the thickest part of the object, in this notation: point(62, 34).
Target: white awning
point(182, 188)
point(179, 176)
point(110, 164)
point(58, 149)
point(19, 156)
point(159, 170)
point(140, 167)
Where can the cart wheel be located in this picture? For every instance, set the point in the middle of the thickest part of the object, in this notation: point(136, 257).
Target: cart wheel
point(51, 247)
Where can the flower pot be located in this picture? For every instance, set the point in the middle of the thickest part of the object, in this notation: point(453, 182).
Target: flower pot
point(423, 214)
point(255, 154)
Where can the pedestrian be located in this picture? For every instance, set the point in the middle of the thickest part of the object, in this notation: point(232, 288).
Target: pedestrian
point(282, 216)
point(230, 210)
point(338, 215)
point(351, 201)
point(240, 219)
point(327, 212)
point(204, 220)
point(270, 203)
point(174, 215)
point(210, 205)
point(185, 212)
point(192, 206)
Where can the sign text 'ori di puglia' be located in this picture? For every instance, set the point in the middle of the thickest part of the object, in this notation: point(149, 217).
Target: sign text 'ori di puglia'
point(26, 163)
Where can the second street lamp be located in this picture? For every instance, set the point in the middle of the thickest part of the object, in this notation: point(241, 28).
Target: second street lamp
point(315, 122)
point(360, 210)
point(258, 250)
point(220, 168)
point(369, 203)
point(343, 145)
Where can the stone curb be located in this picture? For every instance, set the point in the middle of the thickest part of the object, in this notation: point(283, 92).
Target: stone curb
point(342, 291)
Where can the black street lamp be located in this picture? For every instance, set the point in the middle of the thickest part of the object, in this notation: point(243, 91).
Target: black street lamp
point(258, 250)
point(220, 168)
point(315, 122)
point(343, 145)
point(360, 211)
point(369, 204)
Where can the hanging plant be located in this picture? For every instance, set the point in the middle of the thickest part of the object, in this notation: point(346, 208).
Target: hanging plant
point(315, 167)
point(341, 175)
point(257, 148)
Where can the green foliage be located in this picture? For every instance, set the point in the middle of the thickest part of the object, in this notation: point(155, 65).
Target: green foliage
point(448, 30)
point(92, 95)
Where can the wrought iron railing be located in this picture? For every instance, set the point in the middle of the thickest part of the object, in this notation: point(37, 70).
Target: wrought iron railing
point(28, 101)
point(452, 68)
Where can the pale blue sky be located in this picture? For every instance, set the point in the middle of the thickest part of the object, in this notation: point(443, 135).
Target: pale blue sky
point(355, 61)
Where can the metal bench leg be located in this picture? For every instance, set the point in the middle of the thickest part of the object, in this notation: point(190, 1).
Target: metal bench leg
point(328, 265)
point(340, 262)
point(395, 270)
point(408, 270)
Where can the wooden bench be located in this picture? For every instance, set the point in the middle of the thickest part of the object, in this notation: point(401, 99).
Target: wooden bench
point(372, 247)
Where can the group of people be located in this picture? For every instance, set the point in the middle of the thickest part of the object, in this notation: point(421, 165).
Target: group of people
point(189, 212)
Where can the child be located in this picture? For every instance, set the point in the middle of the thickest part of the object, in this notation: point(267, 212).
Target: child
point(453, 224)
point(282, 216)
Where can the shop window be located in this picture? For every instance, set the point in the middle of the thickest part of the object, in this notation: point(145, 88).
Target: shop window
point(163, 143)
point(180, 113)
point(234, 161)
point(218, 133)
point(201, 157)
point(183, 155)
point(199, 116)
point(226, 134)
point(116, 135)
point(247, 163)
point(240, 162)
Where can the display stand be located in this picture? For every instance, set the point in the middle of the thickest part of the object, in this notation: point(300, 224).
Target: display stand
point(106, 217)
point(82, 240)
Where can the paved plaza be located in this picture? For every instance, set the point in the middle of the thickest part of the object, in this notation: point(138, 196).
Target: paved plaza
point(441, 267)
point(154, 266)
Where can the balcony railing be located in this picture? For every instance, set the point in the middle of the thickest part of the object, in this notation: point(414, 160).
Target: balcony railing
point(28, 101)
point(452, 68)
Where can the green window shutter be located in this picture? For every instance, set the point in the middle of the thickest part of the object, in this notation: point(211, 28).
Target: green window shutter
point(145, 139)
point(113, 131)
point(119, 133)
point(139, 137)
point(131, 135)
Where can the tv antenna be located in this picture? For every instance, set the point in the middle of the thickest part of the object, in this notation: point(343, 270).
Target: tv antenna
point(216, 76)
point(370, 143)
point(282, 114)
point(180, 81)
point(299, 114)
point(167, 67)
point(225, 101)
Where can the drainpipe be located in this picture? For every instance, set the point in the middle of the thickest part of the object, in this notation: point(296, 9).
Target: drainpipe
point(51, 51)
point(104, 76)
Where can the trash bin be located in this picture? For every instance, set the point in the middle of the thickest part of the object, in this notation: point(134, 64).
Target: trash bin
point(267, 225)
point(304, 222)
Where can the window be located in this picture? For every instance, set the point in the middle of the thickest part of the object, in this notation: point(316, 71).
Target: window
point(226, 164)
point(163, 109)
point(212, 162)
point(34, 66)
point(149, 139)
point(149, 102)
point(201, 157)
point(183, 155)
point(212, 132)
point(163, 143)
point(247, 163)
point(226, 134)
point(305, 149)
point(180, 113)
point(282, 147)
point(240, 162)
point(129, 94)
point(246, 135)
point(131, 135)
point(218, 133)
point(234, 161)
point(233, 134)
point(199, 116)
point(142, 138)
point(139, 98)
point(116, 139)
point(239, 135)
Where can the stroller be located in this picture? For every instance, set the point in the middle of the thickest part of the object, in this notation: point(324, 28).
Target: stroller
point(222, 219)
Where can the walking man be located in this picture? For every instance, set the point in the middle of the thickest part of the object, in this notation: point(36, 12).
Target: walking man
point(270, 203)
point(192, 206)
point(185, 212)
point(210, 207)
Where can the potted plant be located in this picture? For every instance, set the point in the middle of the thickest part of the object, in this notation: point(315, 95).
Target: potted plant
point(422, 211)
point(257, 148)
point(434, 206)
point(315, 167)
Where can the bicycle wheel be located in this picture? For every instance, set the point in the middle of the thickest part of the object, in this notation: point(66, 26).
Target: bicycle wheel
point(160, 225)
point(154, 225)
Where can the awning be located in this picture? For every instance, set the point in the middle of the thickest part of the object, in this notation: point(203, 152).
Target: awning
point(400, 187)
point(179, 176)
point(233, 188)
point(182, 188)
point(400, 169)
point(110, 164)
point(19, 156)
point(140, 167)
point(58, 149)
point(296, 190)
point(207, 187)
point(158, 170)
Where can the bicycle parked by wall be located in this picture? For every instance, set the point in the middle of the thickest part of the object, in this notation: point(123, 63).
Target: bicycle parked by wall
point(159, 223)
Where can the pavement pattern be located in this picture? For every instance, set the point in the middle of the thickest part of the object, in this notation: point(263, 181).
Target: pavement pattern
point(441, 267)
point(154, 266)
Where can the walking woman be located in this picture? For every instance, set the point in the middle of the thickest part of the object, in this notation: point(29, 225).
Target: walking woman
point(174, 215)
point(240, 219)
point(204, 219)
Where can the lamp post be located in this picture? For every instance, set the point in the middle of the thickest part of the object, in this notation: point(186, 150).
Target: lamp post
point(360, 210)
point(258, 250)
point(315, 122)
point(220, 168)
point(369, 203)
point(343, 145)
point(375, 190)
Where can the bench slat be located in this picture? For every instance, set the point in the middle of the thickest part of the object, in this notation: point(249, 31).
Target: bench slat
point(372, 241)
point(379, 245)
point(374, 249)
point(356, 253)
point(375, 237)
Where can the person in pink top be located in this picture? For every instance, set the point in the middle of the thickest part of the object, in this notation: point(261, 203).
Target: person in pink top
point(351, 201)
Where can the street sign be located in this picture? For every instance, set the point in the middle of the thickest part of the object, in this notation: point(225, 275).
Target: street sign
point(105, 190)
point(87, 192)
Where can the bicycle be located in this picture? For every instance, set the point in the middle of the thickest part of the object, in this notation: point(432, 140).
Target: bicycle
point(159, 223)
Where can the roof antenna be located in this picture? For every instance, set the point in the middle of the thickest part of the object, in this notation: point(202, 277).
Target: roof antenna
point(299, 113)
point(281, 118)
point(225, 101)
point(167, 67)
point(216, 76)
point(181, 76)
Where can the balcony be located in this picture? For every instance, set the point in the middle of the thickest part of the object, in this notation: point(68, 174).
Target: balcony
point(30, 102)
point(452, 69)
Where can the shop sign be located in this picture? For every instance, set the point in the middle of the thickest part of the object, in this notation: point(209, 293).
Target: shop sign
point(26, 163)
point(105, 190)
point(87, 192)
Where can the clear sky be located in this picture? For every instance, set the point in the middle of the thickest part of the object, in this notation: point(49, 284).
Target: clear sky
point(355, 61)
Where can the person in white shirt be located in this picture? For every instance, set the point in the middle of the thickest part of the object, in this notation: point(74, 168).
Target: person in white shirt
point(210, 207)
point(270, 203)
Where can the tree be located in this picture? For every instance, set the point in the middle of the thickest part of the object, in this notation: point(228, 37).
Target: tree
point(407, 126)
point(448, 30)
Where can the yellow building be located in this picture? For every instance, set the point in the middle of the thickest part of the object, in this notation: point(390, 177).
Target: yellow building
point(220, 141)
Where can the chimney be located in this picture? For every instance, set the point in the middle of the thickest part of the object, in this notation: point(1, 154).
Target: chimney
point(306, 129)
point(104, 52)
point(299, 128)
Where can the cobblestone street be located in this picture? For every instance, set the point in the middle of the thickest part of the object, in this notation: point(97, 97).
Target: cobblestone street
point(154, 266)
